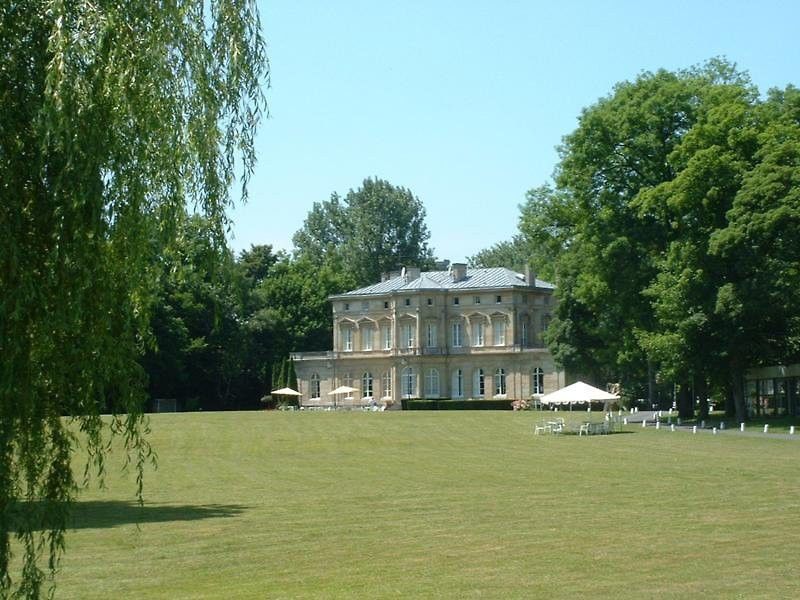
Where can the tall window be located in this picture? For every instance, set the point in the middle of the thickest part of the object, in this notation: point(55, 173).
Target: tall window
point(366, 385)
point(366, 337)
point(500, 382)
point(386, 336)
point(499, 333)
point(430, 335)
point(478, 384)
point(524, 332)
point(347, 339)
point(347, 380)
point(408, 335)
point(537, 381)
point(432, 383)
point(458, 384)
point(545, 322)
point(315, 385)
point(458, 334)
point(408, 382)
point(387, 384)
point(477, 334)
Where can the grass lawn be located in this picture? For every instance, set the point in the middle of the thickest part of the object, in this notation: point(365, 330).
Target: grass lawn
point(438, 504)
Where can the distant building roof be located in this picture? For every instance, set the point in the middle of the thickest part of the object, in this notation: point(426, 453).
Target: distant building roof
point(476, 279)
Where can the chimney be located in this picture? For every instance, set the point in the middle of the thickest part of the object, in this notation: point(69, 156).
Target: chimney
point(442, 265)
point(412, 273)
point(530, 276)
point(458, 271)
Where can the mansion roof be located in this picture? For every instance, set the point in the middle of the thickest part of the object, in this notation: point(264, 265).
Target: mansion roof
point(475, 279)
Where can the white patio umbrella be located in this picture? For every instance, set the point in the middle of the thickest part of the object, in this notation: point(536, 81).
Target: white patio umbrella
point(287, 391)
point(342, 389)
point(576, 393)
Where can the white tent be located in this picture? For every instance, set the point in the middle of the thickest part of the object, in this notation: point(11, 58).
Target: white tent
point(576, 393)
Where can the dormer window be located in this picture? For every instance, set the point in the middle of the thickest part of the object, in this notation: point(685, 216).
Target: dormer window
point(386, 305)
point(476, 300)
point(347, 306)
point(498, 299)
point(430, 301)
point(455, 300)
point(408, 301)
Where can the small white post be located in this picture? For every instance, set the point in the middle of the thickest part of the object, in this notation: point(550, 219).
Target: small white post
point(714, 430)
point(624, 420)
point(670, 411)
point(766, 428)
point(659, 414)
point(741, 427)
point(721, 425)
point(702, 424)
point(791, 430)
point(658, 424)
point(672, 427)
point(694, 428)
point(644, 423)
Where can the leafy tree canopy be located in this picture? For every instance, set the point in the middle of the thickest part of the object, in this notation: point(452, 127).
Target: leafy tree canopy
point(113, 118)
point(374, 229)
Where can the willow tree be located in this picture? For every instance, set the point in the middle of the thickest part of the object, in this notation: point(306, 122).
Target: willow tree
point(116, 115)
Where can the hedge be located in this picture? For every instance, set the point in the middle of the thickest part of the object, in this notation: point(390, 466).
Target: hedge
point(449, 404)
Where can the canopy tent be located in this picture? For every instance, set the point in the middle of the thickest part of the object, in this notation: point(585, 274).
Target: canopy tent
point(576, 393)
point(286, 392)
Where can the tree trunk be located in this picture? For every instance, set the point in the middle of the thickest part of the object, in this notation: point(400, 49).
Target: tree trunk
point(685, 402)
point(702, 395)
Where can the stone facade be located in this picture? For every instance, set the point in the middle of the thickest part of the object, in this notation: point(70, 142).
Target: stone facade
point(459, 333)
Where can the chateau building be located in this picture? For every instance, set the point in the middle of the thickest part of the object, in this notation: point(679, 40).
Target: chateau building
point(455, 333)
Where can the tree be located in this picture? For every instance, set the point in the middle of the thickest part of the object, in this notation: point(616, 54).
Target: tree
point(373, 230)
point(113, 118)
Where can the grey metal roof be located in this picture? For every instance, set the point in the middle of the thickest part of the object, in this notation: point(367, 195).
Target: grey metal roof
point(476, 279)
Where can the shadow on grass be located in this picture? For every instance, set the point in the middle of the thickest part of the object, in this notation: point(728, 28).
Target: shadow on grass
point(97, 514)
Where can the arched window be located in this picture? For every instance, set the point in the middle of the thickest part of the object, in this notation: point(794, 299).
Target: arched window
point(432, 383)
point(366, 385)
point(478, 384)
point(315, 385)
point(408, 383)
point(458, 384)
point(537, 381)
point(500, 383)
point(387, 384)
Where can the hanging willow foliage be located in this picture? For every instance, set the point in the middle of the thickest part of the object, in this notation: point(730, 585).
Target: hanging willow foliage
point(116, 116)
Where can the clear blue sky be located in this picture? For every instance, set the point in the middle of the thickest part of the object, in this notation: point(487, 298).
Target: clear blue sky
point(464, 102)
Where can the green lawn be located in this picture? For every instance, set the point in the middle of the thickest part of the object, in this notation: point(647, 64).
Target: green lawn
point(439, 504)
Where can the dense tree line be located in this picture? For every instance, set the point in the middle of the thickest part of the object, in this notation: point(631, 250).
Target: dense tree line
point(671, 233)
point(223, 326)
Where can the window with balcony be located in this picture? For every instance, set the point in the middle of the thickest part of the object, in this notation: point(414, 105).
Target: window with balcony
point(366, 337)
point(457, 334)
point(499, 327)
point(431, 340)
point(408, 330)
point(347, 339)
point(477, 334)
point(386, 337)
